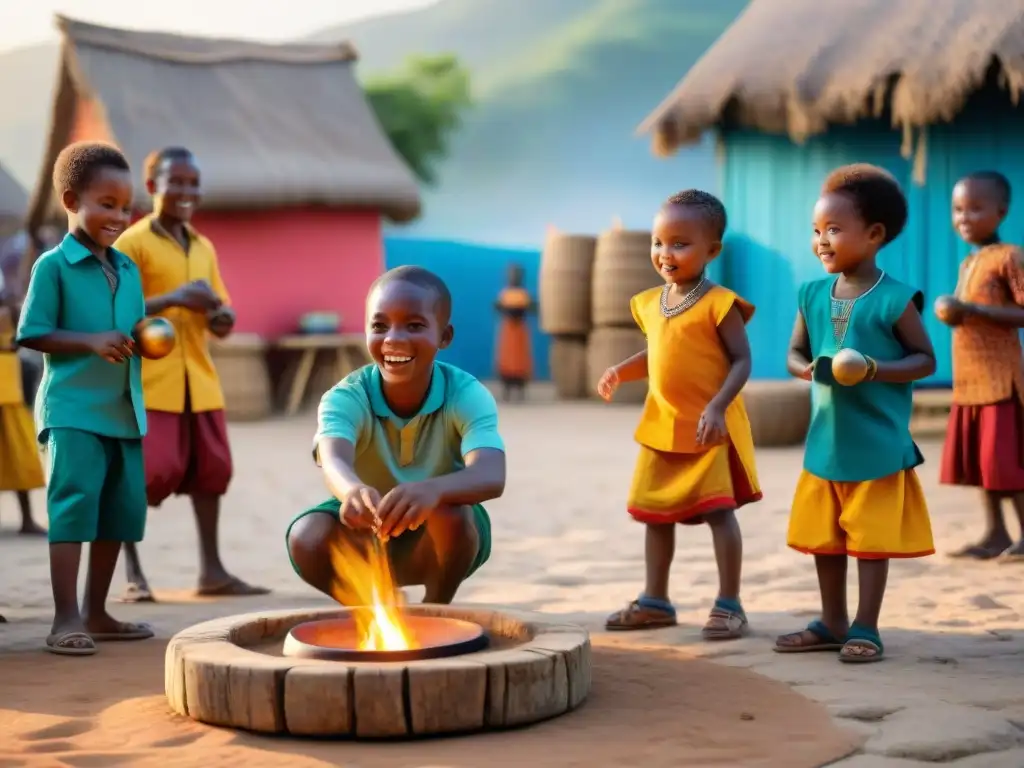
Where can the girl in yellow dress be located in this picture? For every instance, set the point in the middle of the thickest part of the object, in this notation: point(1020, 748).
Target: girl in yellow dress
point(696, 462)
point(20, 468)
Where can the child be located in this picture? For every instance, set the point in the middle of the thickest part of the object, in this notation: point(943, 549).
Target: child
point(984, 438)
point(515, 362)
point(409, 442)
point(186, 449)
point(84, 298)
point(20, 468)
point(858, 494)
point(696, 461)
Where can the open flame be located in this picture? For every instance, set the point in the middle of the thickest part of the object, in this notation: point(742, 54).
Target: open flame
point(365, 583)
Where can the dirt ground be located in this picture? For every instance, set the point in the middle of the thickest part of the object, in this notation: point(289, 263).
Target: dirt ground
point(949, 691)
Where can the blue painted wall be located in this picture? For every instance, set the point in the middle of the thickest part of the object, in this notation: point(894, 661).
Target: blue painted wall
point(770, 186)
point(474, 274)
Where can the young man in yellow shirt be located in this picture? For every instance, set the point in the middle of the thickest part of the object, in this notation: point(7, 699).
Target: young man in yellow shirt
point(186, 450)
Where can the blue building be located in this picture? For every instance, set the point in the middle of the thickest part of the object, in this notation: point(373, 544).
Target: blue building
point(927, 89)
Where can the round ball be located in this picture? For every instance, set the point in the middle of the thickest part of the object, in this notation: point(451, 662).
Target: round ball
point(154, 337)
point(946, 309)
point(849, 367)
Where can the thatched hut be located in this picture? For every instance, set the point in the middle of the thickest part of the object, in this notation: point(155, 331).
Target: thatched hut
point(928, 89)
point(297, 172)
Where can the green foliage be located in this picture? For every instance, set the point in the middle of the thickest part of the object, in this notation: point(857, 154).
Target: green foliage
point(420, 107)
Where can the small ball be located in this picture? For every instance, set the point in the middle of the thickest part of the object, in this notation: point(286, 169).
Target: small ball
point(947, 310)
point(154, 337)
point(849, 367)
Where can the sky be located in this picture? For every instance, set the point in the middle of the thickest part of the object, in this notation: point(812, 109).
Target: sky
point(26, 22)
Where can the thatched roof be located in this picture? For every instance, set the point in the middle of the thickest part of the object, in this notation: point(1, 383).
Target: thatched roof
point(797, 66)
point(272, 125)
point(13, 197)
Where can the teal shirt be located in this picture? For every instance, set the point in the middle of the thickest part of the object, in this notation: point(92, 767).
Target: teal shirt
point(68, 291)
point(459, 416)
point(860, 432)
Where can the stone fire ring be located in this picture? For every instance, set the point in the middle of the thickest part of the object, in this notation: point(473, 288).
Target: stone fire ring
point(211, 675)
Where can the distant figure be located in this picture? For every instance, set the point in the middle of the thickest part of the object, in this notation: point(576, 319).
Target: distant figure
point(983, 440)
point(515, 358)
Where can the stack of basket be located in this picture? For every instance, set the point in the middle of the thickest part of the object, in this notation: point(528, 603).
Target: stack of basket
point(566, 266)
point(622, 269)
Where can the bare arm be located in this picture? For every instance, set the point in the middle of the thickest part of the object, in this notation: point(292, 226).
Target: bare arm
point(337, 459)
point(482, 479)
point(798, 361)
point(919, 362)
point(633, 368)
point(1012, 316)
point(733, 334)
point(61, 343)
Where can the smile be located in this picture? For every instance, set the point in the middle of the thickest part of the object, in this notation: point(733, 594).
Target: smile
point(112, 230)
point(668, 268)
point(396, 359)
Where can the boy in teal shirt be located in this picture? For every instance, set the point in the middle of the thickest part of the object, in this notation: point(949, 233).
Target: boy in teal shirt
point(858, 495)
point(83, 300)
point(409, 448)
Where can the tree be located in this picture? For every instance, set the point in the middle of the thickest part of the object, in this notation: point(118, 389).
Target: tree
point(420, 107)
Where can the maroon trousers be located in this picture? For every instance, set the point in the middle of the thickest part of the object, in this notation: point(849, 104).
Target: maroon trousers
point(186, 453)
point(985, 447)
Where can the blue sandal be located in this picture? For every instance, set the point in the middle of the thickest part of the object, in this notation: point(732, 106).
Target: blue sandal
point(862, 639)
point(826, 641)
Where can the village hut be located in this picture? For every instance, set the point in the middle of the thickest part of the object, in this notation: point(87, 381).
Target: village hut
point(928, 89)
point(297, 172)
point(13, 204)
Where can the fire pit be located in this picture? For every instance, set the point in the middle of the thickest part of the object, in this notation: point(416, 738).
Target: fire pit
point(429, 637)
point(345, 672)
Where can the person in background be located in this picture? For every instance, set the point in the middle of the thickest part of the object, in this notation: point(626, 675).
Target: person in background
point(186, 449)
point(984, 439)
point(21, 470)
point(514, 358)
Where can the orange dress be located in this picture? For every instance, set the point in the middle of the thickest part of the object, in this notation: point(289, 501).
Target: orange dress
point(20, 465)
point(515, 356)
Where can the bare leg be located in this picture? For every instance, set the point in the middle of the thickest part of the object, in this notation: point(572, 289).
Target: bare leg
point(214, 578)
point(832, 585)
point(1016, 552)
point(138, 590)
point(728, 543)
point(872, 576)
point(996, 539)
point(29, 527)
point(67, 633)
point(659, 550)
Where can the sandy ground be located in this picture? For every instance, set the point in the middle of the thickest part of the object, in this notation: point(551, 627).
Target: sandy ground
point(949, 691)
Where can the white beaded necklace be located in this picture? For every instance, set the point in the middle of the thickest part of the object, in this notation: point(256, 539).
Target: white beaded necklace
point(688, 300)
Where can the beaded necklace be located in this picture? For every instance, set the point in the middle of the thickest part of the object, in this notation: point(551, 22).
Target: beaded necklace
point(843, 308)
point(688, 300)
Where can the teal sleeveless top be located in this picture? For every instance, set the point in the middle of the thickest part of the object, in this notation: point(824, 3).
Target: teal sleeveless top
point(860, 432)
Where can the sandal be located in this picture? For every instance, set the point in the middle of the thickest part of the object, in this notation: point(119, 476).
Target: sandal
point(137, 593)
point(642, 613)
point(824, 640)
point(862, 646)
point(126, 631)
point(727, 621)
point(70, 644)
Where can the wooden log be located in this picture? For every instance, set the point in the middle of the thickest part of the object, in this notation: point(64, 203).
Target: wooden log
point(318, 700)
point(379, 701)
point(447, 695)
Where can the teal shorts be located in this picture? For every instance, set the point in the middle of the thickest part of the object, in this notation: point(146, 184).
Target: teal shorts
point(96, 489)
point(401, 547)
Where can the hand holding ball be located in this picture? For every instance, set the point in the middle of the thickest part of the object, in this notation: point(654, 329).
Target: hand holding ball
point(949, 310)
point(154, 337)
point(850, 367)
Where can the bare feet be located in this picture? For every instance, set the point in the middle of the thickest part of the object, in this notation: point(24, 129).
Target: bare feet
point(989, 548)
point(31, 528)
point(228, 586)
point(1014, 554)
point(137, 592)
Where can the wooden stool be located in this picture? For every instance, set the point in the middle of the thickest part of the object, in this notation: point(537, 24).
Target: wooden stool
point(344, 351)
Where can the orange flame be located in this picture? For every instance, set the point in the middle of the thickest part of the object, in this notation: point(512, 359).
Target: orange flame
point(364, 582)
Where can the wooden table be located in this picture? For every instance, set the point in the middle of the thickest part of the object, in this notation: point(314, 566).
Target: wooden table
point(348, 350)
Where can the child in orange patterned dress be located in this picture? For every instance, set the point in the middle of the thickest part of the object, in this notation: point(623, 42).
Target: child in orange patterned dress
point(696, 462)
point(985, 438)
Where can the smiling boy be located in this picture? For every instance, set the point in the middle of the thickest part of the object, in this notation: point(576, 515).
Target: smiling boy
point(409, 442)
point(83, 300)
point(187, 449)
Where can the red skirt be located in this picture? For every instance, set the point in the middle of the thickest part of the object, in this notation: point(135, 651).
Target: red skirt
point(985, 447)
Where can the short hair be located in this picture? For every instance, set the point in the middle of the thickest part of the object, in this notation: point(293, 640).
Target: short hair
point(423, 278)
point(707, 205)
point(77, 164)
point(997, 180)
point(151, 165)
point(876, 194)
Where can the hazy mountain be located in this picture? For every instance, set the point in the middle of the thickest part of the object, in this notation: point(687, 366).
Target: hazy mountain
point(559, 88)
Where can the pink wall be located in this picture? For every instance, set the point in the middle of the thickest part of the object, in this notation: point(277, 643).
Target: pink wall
point(280, 264)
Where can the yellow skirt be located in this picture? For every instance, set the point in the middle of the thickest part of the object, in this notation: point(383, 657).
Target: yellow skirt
point(20, 466)
point(871, 520)
point(682, 487)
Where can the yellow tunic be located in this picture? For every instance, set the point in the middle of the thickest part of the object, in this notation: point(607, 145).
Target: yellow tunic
point(676, 478)
point(165, 267)
point(20, 467)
